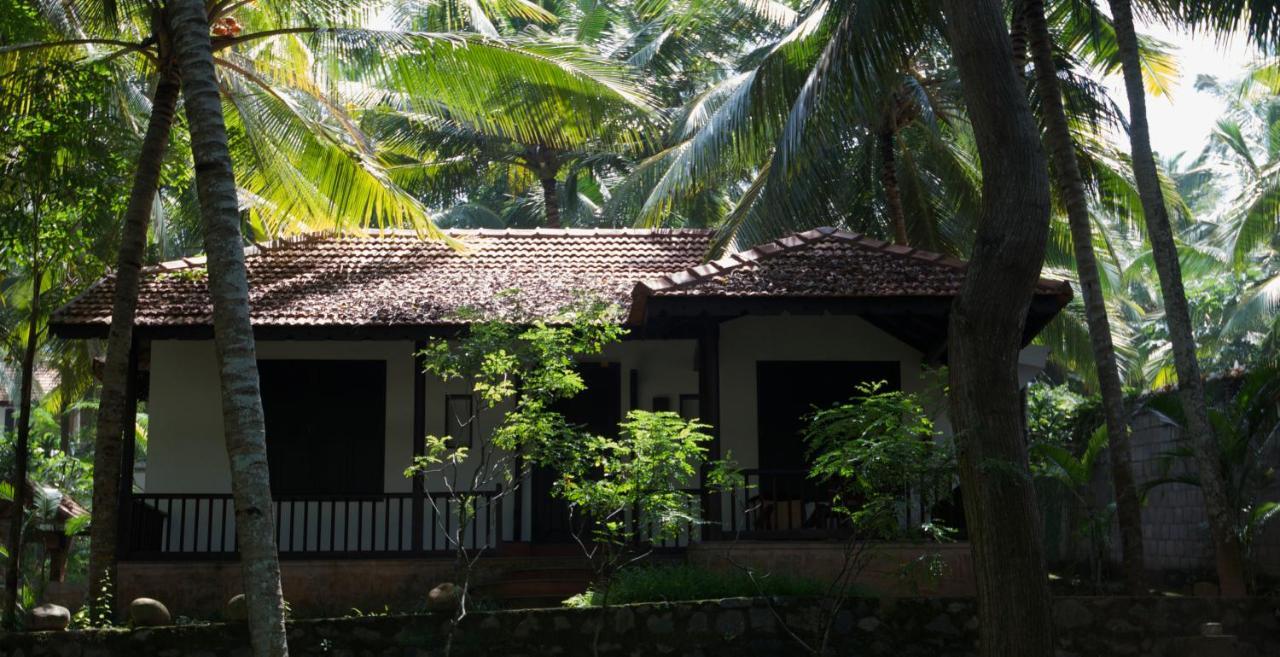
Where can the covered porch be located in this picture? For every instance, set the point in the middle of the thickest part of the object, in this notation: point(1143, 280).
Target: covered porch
point(325, 508)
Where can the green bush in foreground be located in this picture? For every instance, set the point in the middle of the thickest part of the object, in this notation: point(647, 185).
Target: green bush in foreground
point(684, 582)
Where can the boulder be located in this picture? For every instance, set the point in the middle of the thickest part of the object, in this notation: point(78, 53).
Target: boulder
point(237, 610)
point(444, 597)
point(50, 618)
point(145, 612)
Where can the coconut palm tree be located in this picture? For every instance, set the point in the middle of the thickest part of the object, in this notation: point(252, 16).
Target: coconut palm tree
point(440, 155)
point(1165, 254)
point(1071, 188)
point(794, 138)
point(233, 334)
point(986, 326)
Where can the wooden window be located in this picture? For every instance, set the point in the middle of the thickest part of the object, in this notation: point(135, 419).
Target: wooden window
point(459, 420)
point(326, 425)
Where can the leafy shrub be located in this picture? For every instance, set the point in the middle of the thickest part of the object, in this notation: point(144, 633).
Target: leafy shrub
point(684, 582)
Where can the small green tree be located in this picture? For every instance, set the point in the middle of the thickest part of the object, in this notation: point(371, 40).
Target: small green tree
point(876, 455)
point(1074, 474)
point(1067, 436)
point(628, 488)
point(523, 366)
point(629, 491)
point(59, 166)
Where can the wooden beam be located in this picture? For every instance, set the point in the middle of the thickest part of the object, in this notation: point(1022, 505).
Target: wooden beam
point(419, 440)
point(709, 408)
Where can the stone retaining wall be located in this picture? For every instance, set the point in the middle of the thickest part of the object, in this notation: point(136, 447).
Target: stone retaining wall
point(1087, 627)
point(313, 587)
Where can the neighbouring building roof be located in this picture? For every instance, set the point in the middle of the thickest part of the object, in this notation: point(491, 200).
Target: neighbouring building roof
point(396, 279)
point(67, 507)
point(46, 379)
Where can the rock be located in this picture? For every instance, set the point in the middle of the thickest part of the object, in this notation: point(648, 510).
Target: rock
point(698, 623)
point(660, 624)
point(237, 610)
point(1206, 646)
point(444, 597)
point(145, 612)
point(941, 624)
point(50, 618)
point(624, 620)
point(1204, 590)
point(731, 624)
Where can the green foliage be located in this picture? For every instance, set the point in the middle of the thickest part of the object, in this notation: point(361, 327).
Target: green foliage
point(526, 366)
point(640, 471)
point(870, 452)
point(99, 612)
point(683, 582)
point(1066, 436)
point(1056, 415)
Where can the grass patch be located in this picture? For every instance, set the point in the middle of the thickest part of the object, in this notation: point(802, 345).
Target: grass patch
point(684, 582)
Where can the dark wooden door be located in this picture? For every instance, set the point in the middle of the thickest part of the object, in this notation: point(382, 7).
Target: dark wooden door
point(598, 408)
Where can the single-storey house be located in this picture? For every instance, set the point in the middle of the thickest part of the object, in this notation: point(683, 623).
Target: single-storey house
point(747, 343)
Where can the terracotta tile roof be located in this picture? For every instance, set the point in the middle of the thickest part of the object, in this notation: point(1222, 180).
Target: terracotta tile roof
point(397, 279)
point(825, 262)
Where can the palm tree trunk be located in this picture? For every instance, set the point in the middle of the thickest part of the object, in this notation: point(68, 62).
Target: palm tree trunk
point(233, 335)
point(985, 336)
point(1018, 38)
point(110, 430)
point(22, 455)
point(551, 201)
point(889, 181)
point(1071, 188)
point(1222, 521)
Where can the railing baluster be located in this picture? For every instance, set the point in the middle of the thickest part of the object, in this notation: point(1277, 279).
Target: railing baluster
point(293, 526)
point(333, 523)
point(360, 525)
point(168, 523)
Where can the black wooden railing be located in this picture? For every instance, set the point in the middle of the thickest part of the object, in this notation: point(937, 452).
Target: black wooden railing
point(773, 504)
point(190, 526)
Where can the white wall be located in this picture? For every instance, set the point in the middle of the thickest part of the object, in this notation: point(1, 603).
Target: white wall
point(186, 452)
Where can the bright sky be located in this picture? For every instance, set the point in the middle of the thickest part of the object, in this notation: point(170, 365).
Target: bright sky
point(1183, 121)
